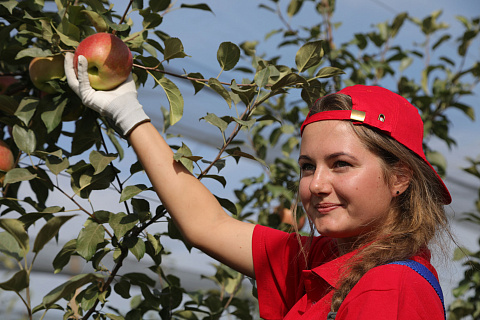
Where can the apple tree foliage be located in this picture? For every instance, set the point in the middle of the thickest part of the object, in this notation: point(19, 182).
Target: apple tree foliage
point(53, 136)
point(467, 293)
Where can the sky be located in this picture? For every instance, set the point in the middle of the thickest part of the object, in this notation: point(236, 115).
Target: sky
point(236, 21)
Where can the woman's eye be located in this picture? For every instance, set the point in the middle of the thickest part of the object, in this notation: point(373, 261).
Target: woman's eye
point(307, 167)
point(341, 164)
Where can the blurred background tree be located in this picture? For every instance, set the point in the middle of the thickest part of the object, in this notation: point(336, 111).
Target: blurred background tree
point(263, 99)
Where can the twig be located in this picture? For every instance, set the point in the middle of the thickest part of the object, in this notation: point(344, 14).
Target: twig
point(124, 15)
point(120, 185)
point(82, 208)
point(189, 78)
point(119, 264)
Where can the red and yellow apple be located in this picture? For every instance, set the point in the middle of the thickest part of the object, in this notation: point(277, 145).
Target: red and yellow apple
point(44, 69)
point(109, 60)
point(286, 216)
point(6, 82)
point(6, 160)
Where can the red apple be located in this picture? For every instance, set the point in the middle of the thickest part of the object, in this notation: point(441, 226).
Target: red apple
point(286, 216)
point(6, 160)
point(44, 69)
point(109, 60)
point(5, 82)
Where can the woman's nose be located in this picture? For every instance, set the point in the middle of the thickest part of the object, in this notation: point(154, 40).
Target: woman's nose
point(320, 183)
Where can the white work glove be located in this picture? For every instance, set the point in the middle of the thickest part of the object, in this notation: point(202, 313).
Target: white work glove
point(120, 104)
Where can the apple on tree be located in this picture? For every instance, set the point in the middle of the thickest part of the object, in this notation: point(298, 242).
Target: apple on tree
point(286, 216)
point(6, 160)
point(44, 69)
point(109, 60)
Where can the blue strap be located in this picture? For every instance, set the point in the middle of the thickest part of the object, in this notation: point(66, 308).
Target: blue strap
point(421, 270)
point(427, 274)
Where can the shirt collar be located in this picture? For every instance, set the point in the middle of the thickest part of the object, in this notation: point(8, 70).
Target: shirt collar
point(331, 270)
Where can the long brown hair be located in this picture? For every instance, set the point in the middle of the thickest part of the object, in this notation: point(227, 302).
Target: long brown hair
point(415, 217)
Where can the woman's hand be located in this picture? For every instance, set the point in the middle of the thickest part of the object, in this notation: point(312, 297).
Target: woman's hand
point(120, 104)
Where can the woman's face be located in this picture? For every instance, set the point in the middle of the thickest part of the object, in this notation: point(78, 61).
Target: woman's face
point(342, 187)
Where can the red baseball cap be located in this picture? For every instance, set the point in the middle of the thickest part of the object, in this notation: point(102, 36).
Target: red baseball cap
point(387, 111)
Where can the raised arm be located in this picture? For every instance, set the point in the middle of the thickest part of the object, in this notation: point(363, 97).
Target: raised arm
point(196, 212)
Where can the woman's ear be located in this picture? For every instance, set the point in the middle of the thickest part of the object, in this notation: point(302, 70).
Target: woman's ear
point(400, 179)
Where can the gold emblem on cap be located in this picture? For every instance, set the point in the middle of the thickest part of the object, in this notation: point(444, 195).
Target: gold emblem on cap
point(357, 115)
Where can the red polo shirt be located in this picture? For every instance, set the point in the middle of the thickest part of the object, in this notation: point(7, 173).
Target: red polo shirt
point(286, 290)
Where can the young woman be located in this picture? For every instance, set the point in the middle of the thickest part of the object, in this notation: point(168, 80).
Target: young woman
point(367, 189)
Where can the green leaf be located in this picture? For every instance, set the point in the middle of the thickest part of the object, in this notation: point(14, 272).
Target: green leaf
point(66, 289)
point(113, 316)
point(159, 5)
point(63, 257)
point(291, 79)
point(116, 143)
point(25, 139)
point(216, 121)
point(227, 204)
point(17, 282)
point(48, 231)
point(197, 85)
point(309, 55)
point(151, 20)
point(327, 72)
point(228, 55)
point(139, 279)
point(17, 230)
point(42, 307)
point(18, 174)
point(156, 245)
point(246, 94)
point(469, 111)
point(65, 38)
point(88, 239)
point(121, 223)
point(175, 99)
point(10, 5)
point(10, 247)
point(262, 77)
point(136, 246)
point(52, 116)
point(96, 20)
point(200, 6)
point(115, 26)
point(173, 49)
point(294, 7)
point(100, 160)
point(89, 296)
point(56, 165)
point(83, 180)
point(122, 287)
point(248, 123)
point(33, 52)
point(183, 153)
point(236, 152)
point(26, 109)
point(218, 178)
point(174, 233)
point(461, 253)
point(131, 191)
point(216, 86)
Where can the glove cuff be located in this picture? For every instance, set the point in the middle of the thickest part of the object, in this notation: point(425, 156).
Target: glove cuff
point(128, 113)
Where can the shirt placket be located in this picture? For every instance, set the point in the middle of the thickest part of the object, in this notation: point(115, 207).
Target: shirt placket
point(315, 287)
